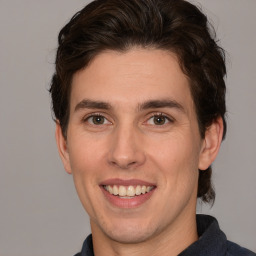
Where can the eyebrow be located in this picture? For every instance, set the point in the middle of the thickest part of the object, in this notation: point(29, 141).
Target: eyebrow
point(165, 103)
point(85, 103)
point(150, 104)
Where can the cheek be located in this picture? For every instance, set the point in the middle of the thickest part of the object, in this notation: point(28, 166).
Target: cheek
point(85, 165)
point(177, 159)
point(85, 161)
point(180, 151)
point(84, 154)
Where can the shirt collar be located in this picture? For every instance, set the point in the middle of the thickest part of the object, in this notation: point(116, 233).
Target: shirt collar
point(212, 241)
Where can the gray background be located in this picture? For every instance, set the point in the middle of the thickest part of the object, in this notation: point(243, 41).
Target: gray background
point(40, 213)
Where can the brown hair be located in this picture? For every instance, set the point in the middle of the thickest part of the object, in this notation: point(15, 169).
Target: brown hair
point(173, 25)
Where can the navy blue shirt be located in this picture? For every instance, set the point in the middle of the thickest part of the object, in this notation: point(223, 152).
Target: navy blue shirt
point(212, 242)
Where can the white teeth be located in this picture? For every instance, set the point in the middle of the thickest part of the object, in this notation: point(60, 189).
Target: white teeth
point(138, 190)
point(122, 191)
point(110, 189)
point(115, 190)
point(128, 191)
point(143, 189)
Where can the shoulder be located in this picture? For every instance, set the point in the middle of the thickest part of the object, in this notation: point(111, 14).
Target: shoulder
point(87, 249)
point(213, 241)
point(234, 249)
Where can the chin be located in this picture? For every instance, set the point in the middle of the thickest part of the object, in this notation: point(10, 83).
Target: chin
point(130, 233)
point(129, 237)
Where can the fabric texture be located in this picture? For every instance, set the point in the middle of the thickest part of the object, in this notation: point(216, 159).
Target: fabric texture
point(212, 242)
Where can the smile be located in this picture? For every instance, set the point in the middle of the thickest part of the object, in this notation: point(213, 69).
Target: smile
point(128, 191)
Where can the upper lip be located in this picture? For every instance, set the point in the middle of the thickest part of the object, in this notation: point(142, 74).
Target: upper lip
point(121, 182)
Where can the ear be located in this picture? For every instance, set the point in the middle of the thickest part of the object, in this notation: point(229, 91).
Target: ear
point(211, 144)
point(62, 148)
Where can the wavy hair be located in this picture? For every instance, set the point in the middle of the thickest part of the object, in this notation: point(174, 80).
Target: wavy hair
point(172, 25)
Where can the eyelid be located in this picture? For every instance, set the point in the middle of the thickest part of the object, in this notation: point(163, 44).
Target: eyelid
point(149, 116)
point(158, 114)
point(87, 116)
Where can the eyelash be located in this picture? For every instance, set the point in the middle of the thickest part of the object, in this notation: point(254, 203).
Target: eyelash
point(167, 119)
point(157, 115)
point(93, 115)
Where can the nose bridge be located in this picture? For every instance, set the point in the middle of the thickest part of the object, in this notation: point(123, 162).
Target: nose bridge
point(126, 151)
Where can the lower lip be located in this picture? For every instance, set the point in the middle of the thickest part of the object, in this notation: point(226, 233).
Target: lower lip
point(133, 202)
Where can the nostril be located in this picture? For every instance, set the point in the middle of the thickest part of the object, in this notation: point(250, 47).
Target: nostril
point(123, 164)
point(132, 163)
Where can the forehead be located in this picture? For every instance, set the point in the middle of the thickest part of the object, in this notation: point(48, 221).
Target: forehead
point(131, 77)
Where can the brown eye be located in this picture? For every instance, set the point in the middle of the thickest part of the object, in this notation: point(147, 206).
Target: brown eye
point(159, 120)
point(97, 120)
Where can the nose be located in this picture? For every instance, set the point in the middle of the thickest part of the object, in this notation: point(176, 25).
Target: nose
point(126, 148)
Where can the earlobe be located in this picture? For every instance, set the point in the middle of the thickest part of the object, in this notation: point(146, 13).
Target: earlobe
point(62, 148)
point(211, 144)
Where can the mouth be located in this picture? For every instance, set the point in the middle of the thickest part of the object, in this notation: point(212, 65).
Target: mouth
point(128, 191)
point(127, 194)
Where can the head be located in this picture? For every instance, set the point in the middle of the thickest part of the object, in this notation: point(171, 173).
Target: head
point(175, 26)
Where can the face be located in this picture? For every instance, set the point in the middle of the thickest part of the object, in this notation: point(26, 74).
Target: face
point(133, 144)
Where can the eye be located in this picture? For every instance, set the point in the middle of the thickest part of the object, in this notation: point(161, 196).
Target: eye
point(159, 119)
point(97, 120)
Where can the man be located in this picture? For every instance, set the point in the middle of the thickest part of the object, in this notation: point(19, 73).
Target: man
point(139, 100)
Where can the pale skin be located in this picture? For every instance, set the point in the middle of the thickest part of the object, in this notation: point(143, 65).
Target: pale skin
point(132, 117)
